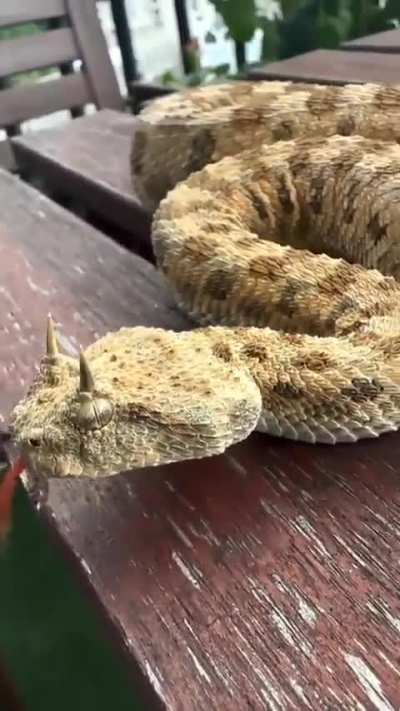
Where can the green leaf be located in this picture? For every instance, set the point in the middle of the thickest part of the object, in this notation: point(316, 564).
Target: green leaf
point(392, 9)
point(328, 35)
point(239, 16)
point(298, 33)
point(331, 7)
point(332, 29)
point(270, 40)
point(221, 69)
point(289, 7)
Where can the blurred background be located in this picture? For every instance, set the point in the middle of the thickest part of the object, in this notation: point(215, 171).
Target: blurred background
point(228, 34)
point(170, 44)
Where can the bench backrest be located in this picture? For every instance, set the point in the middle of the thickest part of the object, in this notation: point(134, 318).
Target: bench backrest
point(68, 30)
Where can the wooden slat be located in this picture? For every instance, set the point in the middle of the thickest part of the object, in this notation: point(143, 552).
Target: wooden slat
point(25, 102)
point(94, 52)
point(328, 66)
point(386, 42)
point(7, 159)
point(13, 12)
point(37, 51)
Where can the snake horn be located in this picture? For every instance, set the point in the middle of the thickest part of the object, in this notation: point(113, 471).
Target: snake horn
point(86, 384)
point(51, 339)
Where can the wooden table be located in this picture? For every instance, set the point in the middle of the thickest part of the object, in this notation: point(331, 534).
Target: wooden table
point(328, 66)
point(267, 578)
point(141, 92)
point(386, 42)
point(88, 160)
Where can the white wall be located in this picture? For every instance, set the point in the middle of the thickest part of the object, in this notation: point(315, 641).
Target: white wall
point(155, 37)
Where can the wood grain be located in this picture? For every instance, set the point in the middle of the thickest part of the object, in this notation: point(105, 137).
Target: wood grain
point(89, 160)
point(329, 66)
point(388, 42)
point(267, 578)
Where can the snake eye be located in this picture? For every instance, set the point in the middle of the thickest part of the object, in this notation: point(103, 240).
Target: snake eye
point(94, 413)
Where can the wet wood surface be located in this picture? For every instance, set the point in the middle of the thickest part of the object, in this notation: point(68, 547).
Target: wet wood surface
point(88, 160)
point(267, 578)
point(329, 66)
point(388, 42)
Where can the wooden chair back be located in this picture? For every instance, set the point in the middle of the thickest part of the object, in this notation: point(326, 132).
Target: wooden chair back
point(68, 30)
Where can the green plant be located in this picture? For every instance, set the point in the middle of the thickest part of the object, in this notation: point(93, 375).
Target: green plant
point(240, 17)
point(316, 23)
point(303, 25)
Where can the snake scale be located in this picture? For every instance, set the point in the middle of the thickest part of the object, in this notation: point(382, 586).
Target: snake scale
point(277, 226)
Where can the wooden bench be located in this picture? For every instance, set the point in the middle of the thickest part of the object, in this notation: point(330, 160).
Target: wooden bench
point(73, 33)
point(264, 578)
point(328, 66)
point(386, 42)
point(88, 161)
point(80, 162)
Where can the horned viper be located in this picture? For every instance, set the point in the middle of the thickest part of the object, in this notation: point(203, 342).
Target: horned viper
point(277, 225)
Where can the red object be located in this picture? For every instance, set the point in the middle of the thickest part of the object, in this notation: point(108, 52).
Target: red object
point(7, 489)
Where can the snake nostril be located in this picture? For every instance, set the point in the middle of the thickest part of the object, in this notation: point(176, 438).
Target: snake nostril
point(34, 442)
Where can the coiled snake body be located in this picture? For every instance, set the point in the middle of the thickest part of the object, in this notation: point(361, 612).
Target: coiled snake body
point(277, 226)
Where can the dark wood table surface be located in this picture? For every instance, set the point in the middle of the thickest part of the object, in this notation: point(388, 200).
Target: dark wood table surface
point(329, 66)
point(88, 160)
point(387, 42)
point(267, 578)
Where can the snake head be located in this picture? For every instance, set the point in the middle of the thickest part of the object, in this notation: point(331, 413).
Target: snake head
point(61, 403)
point(137, 397)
